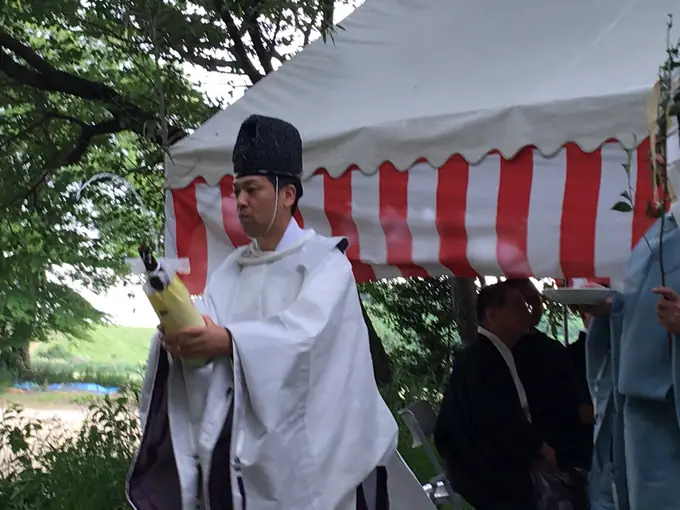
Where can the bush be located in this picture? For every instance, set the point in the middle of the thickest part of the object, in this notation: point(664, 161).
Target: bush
point(58, 352)
point(61, 372)
point(44, 465)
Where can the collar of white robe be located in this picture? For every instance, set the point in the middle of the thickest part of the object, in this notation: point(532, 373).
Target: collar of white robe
point(293, 239)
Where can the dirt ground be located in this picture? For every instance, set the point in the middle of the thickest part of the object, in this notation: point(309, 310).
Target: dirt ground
point(73, 418)
point(61, 415)
point(58, 423)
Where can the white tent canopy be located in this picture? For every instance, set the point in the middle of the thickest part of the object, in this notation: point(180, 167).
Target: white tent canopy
point(408, 79)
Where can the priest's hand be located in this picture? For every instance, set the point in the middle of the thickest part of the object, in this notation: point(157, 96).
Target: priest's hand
point(668, 309)
point(211, 341)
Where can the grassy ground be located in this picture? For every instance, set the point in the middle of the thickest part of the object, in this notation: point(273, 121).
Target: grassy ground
point(52, 401)
point(107, 346)
point(110, 357)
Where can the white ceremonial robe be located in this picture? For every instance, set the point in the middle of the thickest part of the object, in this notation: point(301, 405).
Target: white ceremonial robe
point(298, 407)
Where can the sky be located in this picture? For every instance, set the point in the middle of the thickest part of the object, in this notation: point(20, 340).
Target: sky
point(128, 305)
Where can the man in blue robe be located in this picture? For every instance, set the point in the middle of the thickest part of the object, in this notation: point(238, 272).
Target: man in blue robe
point(608, 487)
point(646, 369)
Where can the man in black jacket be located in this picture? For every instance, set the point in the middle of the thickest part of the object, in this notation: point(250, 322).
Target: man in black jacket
point(484, 430)
point(558, 400)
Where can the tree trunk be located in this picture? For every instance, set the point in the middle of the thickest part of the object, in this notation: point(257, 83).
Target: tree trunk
point(464, 296)
point(15, 360)
point(25, 360)
point(382, 366)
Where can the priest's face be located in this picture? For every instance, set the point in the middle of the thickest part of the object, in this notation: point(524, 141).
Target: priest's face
point(257, 204)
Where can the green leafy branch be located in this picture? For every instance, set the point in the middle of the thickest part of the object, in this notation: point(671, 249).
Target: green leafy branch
point(626, 204)
point(657, 155)
point(667, 104)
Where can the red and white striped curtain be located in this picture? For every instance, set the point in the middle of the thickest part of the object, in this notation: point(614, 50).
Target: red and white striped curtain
point(528, 216)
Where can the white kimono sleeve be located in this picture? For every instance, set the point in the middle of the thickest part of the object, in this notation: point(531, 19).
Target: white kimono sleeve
point(275, 353)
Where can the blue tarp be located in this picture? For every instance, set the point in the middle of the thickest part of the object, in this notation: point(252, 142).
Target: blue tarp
point(67, 387)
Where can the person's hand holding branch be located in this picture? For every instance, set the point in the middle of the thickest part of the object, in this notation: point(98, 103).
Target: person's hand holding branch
point(668, 309)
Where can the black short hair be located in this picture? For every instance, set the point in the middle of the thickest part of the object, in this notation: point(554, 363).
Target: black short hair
point(518, 282)
point(524, 286)
point(286, 180)
point(492, 296)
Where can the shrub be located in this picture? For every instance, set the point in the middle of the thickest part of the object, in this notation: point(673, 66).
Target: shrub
point(46, 465)
point(51, 467)
point(56, 351)
point(62, 372)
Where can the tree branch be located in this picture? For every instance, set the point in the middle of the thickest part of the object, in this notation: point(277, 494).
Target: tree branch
point(239, 49)
point(328, 13)
point(43, 76)
point(180, 53)
point(72, 155)
point(271, 49)
point(308, 31)
point(464, 296)
point(256, 37)
point(214, 64)
point(58, 115)
point(22, 132)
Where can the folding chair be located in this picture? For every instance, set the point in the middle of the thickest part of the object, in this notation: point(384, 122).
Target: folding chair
point(421, 419)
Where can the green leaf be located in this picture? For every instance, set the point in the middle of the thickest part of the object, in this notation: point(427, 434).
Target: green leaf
point(129, 61)
point(622, 207)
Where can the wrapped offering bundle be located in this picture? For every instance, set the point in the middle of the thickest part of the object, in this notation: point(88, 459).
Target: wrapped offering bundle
point(168, 296)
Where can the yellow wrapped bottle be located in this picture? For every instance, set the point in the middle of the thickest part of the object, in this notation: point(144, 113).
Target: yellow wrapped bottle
point(169, 297)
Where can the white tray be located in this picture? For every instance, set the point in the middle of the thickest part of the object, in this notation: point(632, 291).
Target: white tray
point(586, 296)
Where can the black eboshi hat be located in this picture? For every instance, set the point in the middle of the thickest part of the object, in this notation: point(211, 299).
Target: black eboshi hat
point(267, 146)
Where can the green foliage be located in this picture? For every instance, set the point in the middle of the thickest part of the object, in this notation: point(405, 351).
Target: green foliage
point(61, 372)
point(62, 122)
point(553, 319)
point(101, 87)
point(47, 466)
point(552, 323)
point(105, 345)
point(416, 320)
point(423, 339)
point(107, 355)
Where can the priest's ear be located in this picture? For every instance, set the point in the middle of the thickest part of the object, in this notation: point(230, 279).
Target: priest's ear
point(290, 191)
point(288, 195)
